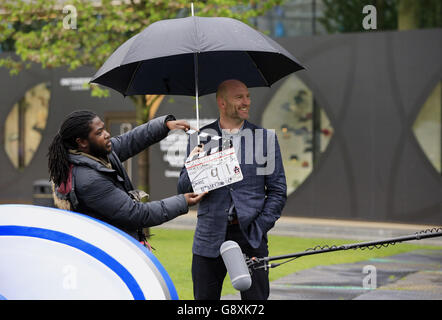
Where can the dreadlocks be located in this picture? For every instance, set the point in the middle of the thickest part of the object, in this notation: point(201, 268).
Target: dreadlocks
point(76, 125)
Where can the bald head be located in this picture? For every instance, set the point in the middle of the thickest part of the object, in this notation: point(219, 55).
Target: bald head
point(226, 86)
point(233, 101)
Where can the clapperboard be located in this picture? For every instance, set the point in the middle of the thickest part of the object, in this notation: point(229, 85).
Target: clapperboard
point(213, 169)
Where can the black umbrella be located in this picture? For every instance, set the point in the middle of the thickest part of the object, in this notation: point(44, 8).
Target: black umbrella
point(192, 56)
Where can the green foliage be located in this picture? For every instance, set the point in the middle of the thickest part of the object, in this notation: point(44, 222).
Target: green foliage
point(430, 14)
point(347, 16)
point(35, 30)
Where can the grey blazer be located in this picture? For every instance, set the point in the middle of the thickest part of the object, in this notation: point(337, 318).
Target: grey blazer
point(259, 198)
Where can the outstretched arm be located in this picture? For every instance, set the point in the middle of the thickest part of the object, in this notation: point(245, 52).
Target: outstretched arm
point(116, 206)
point(140, 138)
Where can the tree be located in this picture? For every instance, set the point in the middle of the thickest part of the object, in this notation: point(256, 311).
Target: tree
point(408, 14)
point(76, 33)
point(419, 14)
point(347, 16)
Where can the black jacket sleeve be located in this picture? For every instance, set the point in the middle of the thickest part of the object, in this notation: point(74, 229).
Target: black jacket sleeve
point(99, 196)
point(140, 138)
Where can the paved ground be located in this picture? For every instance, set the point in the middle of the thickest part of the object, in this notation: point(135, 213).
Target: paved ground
point(414, 275)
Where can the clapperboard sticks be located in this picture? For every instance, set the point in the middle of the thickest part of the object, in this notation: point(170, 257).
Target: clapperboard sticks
point(213, 168)
point(211, 151)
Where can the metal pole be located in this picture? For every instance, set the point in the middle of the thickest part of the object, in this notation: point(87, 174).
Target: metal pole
point(195, 63)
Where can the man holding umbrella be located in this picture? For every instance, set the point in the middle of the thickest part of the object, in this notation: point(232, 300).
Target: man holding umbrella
point(244, 211)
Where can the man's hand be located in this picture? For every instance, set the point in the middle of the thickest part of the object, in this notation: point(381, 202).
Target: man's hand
point(199, 148)
point(178, 124)
point(193, 198)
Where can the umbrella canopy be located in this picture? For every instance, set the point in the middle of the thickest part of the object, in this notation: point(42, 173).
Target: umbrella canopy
point(192, 56)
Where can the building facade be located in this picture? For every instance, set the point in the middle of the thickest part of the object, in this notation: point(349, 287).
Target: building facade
point(359, 129)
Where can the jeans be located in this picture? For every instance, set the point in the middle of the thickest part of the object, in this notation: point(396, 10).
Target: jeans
point(208, 273)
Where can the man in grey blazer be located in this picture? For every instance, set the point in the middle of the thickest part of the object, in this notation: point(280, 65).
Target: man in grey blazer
point(244, 211)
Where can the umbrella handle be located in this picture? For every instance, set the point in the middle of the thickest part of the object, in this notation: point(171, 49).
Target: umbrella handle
point(195, 59)
point(195, 63)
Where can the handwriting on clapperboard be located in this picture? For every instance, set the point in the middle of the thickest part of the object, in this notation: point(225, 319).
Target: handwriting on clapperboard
point(214, 171)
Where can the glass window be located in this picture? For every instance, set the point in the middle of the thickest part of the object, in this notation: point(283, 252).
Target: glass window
point(25, 124)
point(427, 127)
point(303, 129)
